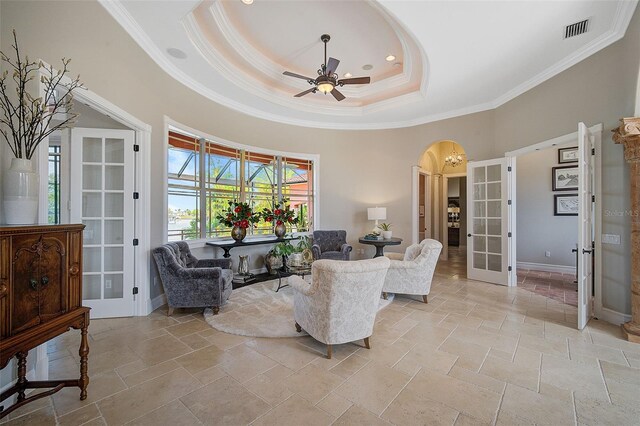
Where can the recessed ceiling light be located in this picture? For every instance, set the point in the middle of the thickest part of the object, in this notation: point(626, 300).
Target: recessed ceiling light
point(247, 1)
point(176, 53)
point(390, 58)
point(367, 67)
point(347, 75)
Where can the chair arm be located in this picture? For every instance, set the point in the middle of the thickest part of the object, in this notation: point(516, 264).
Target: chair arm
point(300, 285)
point(395, 256)
point(213, 263)
point(315, 249)
point(346, 248)
point(198, 273)
point(403, 264)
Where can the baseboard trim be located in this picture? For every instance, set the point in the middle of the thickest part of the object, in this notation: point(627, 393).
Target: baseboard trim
point(546, 267)
point(611, 316)
point(156, 302)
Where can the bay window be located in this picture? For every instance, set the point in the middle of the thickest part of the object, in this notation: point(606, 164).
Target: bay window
point(203, 175)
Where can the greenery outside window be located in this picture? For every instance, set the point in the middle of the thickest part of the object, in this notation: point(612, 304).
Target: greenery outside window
point(204, 175)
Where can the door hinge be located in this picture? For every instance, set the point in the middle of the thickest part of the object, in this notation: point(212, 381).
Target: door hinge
point(136, 148)
point(135, 290)
point(508, 168)
point(593, 198)
point(136, 195)
point(509, 269)
point(509, 202)
point(509, 234)
point(593, 151)
point(135, 241)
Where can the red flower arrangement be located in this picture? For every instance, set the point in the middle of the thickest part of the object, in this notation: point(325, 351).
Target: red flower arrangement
point(238, 214)
point(281, 214)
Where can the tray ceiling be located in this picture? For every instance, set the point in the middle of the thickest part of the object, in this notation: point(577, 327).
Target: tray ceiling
point(451, 58)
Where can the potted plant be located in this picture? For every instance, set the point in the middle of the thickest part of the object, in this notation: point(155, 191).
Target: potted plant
point(386, 230)
point(26, 121)
point(240, 217)
point(277, 257)
point(280, 216)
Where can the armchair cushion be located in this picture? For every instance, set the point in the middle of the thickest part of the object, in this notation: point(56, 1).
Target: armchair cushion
point(414, 274)
point(189, 282)
point(342, 302)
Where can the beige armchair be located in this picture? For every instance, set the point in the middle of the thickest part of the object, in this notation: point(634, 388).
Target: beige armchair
point(412, 272)
point(341, 304)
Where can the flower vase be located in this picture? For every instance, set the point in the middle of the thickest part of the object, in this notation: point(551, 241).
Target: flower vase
point(20, 193)
point(238, 233)
point(280, 230)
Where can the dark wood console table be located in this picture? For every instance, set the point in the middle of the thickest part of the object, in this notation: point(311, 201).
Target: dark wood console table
point(228, 245)
point(40, 298)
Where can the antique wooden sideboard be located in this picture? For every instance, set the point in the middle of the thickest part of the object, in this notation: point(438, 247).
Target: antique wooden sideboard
point(40, 298)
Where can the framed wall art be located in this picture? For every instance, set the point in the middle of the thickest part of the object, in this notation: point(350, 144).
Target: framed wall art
point(568, 155)
point(565, 205)
point(564, 178)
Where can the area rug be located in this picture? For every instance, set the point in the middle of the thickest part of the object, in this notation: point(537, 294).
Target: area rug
point(258, 311)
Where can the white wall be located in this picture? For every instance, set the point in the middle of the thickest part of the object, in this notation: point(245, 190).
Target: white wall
point(538, 230)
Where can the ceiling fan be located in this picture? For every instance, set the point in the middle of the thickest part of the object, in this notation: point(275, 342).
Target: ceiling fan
point(327, 79)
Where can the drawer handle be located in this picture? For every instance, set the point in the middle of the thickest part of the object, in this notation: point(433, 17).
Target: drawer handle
point(44, 280)
point(33, 283)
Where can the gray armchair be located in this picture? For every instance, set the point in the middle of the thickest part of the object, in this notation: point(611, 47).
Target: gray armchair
point(330, 245)
point(192, 283)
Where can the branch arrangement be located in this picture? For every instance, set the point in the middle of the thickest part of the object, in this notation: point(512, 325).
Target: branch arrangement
point(26, 120)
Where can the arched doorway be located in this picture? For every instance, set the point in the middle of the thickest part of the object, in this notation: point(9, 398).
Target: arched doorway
point(440, 200)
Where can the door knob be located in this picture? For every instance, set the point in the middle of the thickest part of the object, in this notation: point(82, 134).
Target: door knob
point(468, 235)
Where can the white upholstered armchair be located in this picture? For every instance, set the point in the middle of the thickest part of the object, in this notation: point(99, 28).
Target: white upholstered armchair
point(412, 272)
point(341, 304)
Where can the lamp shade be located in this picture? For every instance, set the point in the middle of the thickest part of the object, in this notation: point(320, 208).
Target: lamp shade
point(377, 213)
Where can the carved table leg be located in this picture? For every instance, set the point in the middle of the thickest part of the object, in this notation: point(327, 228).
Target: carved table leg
point(84, 355)
point(22, 374)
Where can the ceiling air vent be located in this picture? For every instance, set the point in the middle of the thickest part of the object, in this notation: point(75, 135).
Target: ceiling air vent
point(576, 29)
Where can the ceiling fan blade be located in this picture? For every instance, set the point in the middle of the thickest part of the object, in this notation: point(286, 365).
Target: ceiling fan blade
point(292, 74)
point(332, 65)
point(313, 89)
point(336, 94)
point(355, 80)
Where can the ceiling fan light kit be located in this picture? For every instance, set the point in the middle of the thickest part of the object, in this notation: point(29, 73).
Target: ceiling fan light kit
point(327, 79)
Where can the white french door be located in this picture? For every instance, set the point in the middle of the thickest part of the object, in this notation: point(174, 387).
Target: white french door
point(585, 224)
point(101, 197)
point(487, 221)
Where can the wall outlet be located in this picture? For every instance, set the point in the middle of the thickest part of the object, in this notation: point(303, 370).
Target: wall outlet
point(547, 254)
point(610, 239)
point(107, 283)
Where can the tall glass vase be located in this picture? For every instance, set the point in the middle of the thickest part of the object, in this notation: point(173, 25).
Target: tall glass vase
point(20, 193)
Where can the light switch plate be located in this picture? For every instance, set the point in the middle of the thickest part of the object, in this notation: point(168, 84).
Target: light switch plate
point(610, 239)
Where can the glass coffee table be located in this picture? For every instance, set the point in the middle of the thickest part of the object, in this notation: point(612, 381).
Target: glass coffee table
point(287, 271)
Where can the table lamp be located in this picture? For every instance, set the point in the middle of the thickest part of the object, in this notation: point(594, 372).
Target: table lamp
point(376, 213)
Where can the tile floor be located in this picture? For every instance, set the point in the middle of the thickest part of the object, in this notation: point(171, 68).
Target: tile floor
point(477, 354)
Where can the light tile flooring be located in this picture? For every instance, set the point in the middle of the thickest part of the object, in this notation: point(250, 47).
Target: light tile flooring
point(477, 354)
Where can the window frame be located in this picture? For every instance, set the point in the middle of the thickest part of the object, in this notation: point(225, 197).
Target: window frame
point(172, 125)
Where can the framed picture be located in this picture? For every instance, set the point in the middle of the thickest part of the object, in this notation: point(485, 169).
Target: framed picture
point(565, 205)
point(568, 155)
point(564, 178)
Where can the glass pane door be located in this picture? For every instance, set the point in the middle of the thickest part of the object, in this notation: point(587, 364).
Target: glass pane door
point(103, 175)
point(487, 245)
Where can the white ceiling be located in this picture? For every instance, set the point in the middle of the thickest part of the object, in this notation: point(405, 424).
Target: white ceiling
point(455, 57)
